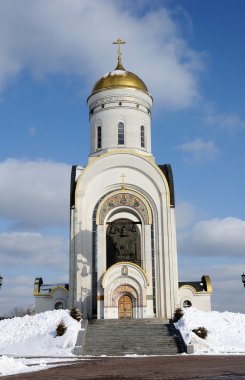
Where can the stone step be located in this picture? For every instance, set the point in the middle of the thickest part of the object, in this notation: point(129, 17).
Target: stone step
point(128, 337)
point(122, 338)
point(130, 352)
point(126, 333)
point(120, 343)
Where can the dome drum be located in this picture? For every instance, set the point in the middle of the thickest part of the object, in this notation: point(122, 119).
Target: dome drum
point(120, 113)
point(133, 102)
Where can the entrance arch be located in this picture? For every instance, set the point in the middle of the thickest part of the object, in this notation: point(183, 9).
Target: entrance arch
point(122, 279)
point(125, 307)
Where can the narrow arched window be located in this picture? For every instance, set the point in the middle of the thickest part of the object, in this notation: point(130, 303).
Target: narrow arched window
point(142, 136)
point(120, 133)
point(99, 137)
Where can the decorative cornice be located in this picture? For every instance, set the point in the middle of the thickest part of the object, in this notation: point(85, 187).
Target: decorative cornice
point(119, 98)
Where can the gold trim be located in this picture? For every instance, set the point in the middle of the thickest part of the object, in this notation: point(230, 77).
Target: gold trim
point(50, 295)
point(195, 291)
point(106, 197)
point(118, 151)
point(124, 263)
point(100, 298)
point(191, 288)
point(208, 283)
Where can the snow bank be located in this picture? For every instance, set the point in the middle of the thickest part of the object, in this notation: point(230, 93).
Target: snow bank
point(11, 366)
point(35, 335)
point(226, 331)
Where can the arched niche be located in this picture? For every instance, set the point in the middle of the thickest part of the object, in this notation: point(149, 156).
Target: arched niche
point(123, 242)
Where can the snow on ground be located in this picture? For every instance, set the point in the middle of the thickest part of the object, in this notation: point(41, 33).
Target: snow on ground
point(11, 366)
point(226, 331)
point(35, 335)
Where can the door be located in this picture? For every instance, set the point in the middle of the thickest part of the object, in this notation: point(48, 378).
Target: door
point(125, 307)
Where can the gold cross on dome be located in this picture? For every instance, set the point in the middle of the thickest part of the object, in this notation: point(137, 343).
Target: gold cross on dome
point(119, 42)
point(123, 176)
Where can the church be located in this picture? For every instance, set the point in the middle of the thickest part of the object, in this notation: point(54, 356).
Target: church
point(123, 252)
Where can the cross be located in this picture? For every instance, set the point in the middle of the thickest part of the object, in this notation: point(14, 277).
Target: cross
point(119, 42)
point(123, 176)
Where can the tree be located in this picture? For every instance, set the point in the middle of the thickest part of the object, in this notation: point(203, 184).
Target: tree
point(75, 313)
point(61, 329)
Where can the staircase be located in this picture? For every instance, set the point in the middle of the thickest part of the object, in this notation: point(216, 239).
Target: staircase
point(117, 337)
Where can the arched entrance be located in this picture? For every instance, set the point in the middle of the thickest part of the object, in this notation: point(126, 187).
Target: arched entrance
point(125, 307)
point(123, 242)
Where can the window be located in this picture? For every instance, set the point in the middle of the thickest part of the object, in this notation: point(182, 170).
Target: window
point(120, 133)
point(58, 305)
point(142, 136)
point(187, 303)
point(99, 137)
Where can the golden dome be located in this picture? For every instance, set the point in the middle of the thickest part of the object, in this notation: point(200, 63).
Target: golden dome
point(119, 78)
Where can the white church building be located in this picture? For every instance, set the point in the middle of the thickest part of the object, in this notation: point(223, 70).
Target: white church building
point(123, 254)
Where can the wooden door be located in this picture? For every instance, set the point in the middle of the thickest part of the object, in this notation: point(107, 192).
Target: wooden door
point(125, 307)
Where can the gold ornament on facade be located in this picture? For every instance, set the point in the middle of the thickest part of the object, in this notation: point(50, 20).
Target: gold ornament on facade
point(123, 176)
point(124, 199)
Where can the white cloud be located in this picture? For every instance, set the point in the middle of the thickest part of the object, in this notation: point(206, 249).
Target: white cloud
point(24, 253)
point(198, 150)
point(33, 249)
point(185, 214)
point(34, 193)
point(74, 37)
point(216, 237)
point(16, 292)
point(229, 122)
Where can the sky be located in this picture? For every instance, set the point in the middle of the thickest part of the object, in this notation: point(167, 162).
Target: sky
point(190, 54)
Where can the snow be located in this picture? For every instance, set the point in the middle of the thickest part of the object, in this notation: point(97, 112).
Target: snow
point(11, 366)
point(115, 72)
point(29, 344)
point(226, 331)
point(35, 335)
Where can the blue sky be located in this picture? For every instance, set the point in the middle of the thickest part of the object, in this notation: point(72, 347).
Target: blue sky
point(191, 56)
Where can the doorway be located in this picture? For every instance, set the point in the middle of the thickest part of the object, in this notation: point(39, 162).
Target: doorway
point(125, 307)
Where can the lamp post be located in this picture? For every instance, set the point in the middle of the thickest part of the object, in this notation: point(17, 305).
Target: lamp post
point(243, 279)
point(1, 281)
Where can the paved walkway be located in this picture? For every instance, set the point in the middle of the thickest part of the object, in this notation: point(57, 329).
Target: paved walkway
point(150, 368)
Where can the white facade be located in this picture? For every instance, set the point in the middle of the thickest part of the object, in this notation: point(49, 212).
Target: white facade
point(129, 106)
point(123, 255)
point(196, 294)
